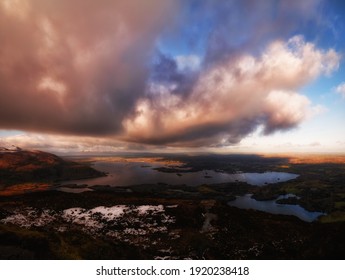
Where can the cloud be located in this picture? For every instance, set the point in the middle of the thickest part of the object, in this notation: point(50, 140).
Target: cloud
point(231, 99)
point(86, 69)
point(315, 144)
point(247, 26)
point(75, 67)
point(188, 62)
point(63, 143)
point(341, 89)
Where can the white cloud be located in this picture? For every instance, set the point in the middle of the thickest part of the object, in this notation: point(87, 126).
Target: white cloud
point(231, 99)
point(188, 62)
point(341, 89)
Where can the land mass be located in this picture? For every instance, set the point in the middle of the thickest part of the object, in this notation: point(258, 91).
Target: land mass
point(165, 221)
point(23, 170)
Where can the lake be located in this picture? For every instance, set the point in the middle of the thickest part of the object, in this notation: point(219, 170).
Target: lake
point(124, 173)
point(271, 206)
point(135, 173)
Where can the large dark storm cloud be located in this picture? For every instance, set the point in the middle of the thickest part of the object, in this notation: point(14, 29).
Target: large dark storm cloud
point(75, 67)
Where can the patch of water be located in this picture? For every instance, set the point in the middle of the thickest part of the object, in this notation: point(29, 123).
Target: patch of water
point(133, 173)
point(74, 190)
point(271, 206)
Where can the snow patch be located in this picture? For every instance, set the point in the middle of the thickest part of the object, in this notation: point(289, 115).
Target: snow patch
point(29, 217)
point(128, 223)
point(145, 209)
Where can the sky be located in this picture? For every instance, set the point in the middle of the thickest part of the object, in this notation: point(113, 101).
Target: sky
point(249, 76)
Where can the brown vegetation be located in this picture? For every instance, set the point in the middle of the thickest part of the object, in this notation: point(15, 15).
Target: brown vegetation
point(22, 171)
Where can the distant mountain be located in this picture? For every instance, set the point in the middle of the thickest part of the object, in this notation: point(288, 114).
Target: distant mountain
point(24, 166)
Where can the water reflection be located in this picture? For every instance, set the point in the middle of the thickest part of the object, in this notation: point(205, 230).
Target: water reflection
point(134, 173)
point(75, 190)
point(271, 206)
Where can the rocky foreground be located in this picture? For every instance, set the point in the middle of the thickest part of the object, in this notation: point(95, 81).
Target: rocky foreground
point(142, 225)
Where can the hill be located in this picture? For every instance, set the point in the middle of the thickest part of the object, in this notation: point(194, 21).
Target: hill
point(37, 168)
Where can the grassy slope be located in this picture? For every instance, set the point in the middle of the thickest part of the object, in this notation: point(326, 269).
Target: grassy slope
point(25, 170)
